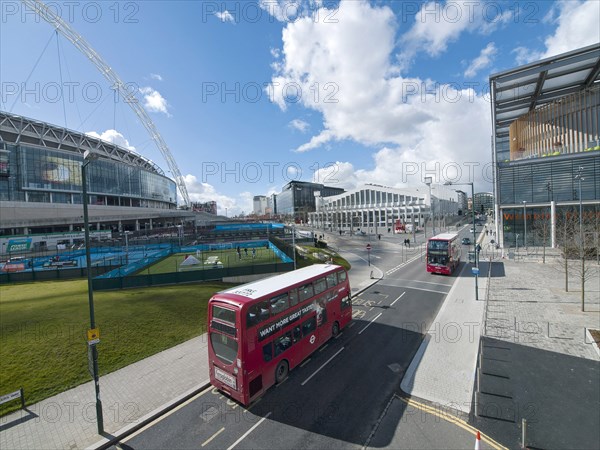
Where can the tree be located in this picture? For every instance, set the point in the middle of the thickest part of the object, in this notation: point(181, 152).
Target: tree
point(543, 230)
point(565, 226)
point(572, 241)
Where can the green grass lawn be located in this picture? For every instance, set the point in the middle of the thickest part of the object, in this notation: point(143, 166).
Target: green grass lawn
point(43, 326)
point(229, 258)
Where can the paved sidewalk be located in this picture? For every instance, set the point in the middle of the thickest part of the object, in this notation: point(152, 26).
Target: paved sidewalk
point(129, 395)
point(443, 369)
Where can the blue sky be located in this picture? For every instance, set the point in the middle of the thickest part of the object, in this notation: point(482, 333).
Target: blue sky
point(250, 95)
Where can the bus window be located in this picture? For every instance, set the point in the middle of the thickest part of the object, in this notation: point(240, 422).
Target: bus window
point(346, 302)
point(308, 326)
point(257, 313)
point(226, 315)
point(341, 276)
point(264, 311)
point(296, 334)
point(305, 292)
point(283, 343)
point(225, 348)
point(279, 304)
point(293, 297)
point(320, 285)
point(268, 352)
point(331, 280)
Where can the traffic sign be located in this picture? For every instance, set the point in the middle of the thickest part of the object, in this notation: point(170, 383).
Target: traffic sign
point(368, 247)
point(93, 336)
point(475, 270)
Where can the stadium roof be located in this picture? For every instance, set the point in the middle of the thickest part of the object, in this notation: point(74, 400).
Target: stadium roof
point(517, 91)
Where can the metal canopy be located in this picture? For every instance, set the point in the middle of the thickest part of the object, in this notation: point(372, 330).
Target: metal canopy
point(520, 90)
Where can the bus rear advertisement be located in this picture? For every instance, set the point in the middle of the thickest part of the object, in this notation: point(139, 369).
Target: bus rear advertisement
point(261, 330)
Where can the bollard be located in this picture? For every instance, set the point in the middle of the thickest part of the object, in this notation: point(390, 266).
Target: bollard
point(523, 432)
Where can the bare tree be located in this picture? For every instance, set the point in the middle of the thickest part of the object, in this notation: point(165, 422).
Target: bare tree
point(565, 225)
point(572, 241)
point(543, 229)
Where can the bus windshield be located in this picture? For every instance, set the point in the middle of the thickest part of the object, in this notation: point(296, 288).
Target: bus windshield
point(439, 246)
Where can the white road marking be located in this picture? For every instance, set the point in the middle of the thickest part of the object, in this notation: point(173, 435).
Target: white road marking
point(367, 325)
point(324, 364)
point(248, 432)
point(398, 298)
point(213, 436)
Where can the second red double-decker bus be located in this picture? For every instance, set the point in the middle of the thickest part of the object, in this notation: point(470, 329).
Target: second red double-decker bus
point(443, 253)
point(260, 330)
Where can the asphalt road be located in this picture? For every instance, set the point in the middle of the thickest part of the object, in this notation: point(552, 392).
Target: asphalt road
point(339, 397)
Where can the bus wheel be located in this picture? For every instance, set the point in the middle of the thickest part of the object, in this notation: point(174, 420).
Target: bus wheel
point(335, 330)
point(281, 372)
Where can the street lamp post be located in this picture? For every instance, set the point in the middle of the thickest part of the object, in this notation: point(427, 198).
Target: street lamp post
point(449, 183)
point(580, 178)
point(525, 219)
point(428, 181)
point(127, 247)
point(294, 243)
point(87, 157)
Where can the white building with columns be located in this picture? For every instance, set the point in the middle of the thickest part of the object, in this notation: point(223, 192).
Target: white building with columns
point(373, 208)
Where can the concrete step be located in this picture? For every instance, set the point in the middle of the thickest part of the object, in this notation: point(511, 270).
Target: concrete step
point(494, 407)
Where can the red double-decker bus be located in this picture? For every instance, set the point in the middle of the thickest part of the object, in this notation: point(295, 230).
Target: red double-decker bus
point(261, 330)
point(443, 253)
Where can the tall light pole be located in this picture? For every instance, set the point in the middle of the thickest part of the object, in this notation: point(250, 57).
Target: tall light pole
point(127, 247)
point(525, 219)
point(580, 178)
point(87, 157)
point(428, 181)
point(294, 243)
point(449, 183)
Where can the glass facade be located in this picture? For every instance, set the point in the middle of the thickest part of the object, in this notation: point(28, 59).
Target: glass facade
point(535, 223)
point(538, 184)
point(298, 197)
point(37, 174)
point(545, 181)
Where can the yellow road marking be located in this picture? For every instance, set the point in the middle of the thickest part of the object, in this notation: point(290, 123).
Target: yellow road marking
point(455, 420)
point(213, 436)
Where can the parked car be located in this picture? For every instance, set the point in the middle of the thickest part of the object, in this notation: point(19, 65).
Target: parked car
point(466, 241)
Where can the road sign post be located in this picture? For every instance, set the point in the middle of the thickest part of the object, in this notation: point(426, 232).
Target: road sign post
point(369, 253)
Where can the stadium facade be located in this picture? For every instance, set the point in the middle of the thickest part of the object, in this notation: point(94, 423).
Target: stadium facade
point(41, 189)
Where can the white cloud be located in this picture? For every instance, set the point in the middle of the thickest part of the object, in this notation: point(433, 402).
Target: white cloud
point(112, 136)
point(339, 174)
point(284, 10)
point(154, 101)
point(225, 16)
point(482, 61)
point(363, 100)
point(156, 76)
point(525, 55)
point(577, 27)
point(439, 24)
point(299, 125)
point(204, 192)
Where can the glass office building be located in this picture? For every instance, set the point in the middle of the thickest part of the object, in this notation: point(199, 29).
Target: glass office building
point(546, 125)
point(297, 198)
